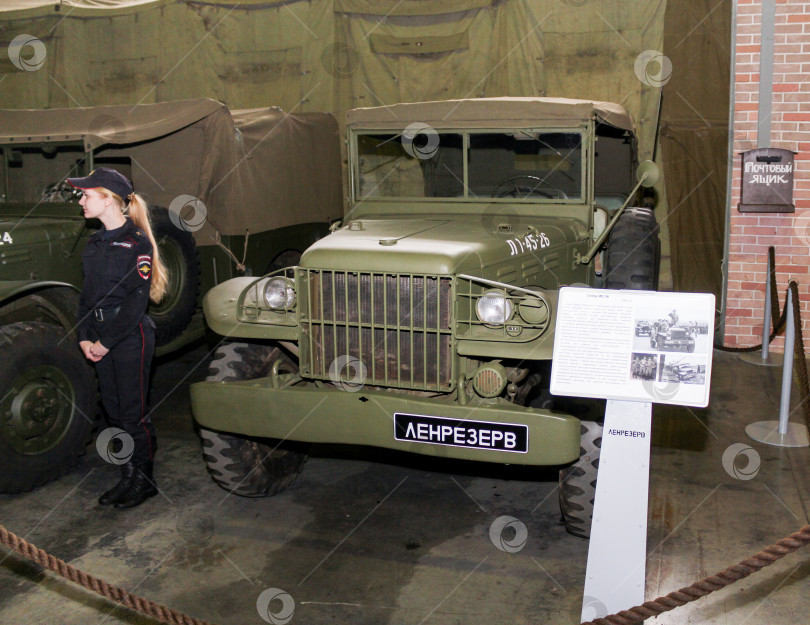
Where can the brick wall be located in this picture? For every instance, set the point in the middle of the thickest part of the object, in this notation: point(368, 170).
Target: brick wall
point(752, 233)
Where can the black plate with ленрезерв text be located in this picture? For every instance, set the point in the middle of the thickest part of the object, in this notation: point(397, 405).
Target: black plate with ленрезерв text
point(461, 433)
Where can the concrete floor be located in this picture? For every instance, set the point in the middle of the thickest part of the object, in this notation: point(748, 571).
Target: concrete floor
point(371, 537)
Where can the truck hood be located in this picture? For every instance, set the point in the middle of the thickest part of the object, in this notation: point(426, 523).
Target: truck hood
point(438, 245)
point(37, 230)
point(28, 245)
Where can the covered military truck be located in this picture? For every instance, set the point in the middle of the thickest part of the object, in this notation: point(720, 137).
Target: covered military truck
point(231, 193)
point(425, 321)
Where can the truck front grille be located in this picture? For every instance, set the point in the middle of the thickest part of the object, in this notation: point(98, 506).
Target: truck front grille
point(396, 325)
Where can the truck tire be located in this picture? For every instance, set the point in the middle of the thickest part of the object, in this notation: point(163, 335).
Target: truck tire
point(633, 251)
point(578, 482)
point(179, 254)
point(244, 465)
point(63, 308)
point(48, 404)
point(287, 258)
point(631, 262)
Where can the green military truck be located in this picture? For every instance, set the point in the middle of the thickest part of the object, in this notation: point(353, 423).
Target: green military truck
point(425, 321)
point(231, 193)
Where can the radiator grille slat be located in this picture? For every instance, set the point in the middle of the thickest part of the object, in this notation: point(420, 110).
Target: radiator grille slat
point(397, 325)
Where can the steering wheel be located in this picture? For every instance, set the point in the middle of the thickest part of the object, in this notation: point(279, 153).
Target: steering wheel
point(525, 185)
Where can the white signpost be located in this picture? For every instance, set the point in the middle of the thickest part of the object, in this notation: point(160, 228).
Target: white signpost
point(633, 348)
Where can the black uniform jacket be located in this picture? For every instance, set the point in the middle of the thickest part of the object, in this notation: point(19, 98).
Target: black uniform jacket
point(117, 268)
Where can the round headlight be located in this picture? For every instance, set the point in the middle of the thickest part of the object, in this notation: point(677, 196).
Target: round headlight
point(494, 307)
point(279, 293)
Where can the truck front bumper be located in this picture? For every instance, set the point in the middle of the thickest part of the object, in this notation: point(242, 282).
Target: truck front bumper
point(324, 414)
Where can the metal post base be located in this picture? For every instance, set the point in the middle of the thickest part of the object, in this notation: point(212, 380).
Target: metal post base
point(768, 432)
point(755, 358)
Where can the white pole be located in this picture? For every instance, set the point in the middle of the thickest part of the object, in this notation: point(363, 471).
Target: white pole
point(765, 358)
point(782, 433)
point(787, 367)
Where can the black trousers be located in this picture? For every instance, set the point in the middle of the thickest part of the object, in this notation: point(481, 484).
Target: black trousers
point(123, 379)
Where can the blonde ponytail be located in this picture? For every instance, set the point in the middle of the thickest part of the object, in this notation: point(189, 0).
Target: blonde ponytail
point(139, 213)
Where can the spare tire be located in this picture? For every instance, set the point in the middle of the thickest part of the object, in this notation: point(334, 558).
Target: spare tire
point(179, 255)
point(633, 251)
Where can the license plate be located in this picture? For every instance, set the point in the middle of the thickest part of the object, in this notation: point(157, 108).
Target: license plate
point(415, 428)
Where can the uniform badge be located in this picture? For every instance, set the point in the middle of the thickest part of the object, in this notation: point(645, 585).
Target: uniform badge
point(145, 266)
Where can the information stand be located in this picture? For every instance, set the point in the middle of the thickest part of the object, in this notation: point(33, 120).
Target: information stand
point(633, 348)
point(618, 548)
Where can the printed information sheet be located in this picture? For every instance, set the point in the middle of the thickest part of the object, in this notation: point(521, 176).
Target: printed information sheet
point(634, 345)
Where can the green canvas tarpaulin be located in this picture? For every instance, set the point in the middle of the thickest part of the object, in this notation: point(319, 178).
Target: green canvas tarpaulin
point(336, 55)
point(248, 167)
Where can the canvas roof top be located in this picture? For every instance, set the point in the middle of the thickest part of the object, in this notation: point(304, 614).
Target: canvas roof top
point(99, 125)
point(253, 169)
point(32, 8)
point(491, 113)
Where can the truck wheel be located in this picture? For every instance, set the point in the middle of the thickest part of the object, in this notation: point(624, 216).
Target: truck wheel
point(578, 482)
point(179, 254)
point(631, 261)
point(287, 258)
point(244, 465)
point(47, 404)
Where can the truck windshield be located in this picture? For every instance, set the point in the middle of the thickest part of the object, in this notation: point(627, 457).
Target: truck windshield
point(526, 165)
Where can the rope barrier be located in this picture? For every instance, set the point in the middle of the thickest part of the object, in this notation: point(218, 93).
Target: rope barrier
point(90, 582)
point(710, 584)
point(799, 360)
point(777, 318)
point(634, 615)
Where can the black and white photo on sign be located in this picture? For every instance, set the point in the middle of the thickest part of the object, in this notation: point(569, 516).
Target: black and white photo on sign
point(682, 369)
point(643, 366)
point(674, 328)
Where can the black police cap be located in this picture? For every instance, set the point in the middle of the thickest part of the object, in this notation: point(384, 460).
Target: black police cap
point(106, 178)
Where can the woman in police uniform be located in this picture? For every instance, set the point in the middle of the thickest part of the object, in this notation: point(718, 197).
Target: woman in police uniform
point(122, 272)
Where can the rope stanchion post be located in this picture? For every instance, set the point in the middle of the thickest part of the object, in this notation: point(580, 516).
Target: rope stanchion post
point(799, 359)
point(773, 297)
point(763, 357)
point(783, 433)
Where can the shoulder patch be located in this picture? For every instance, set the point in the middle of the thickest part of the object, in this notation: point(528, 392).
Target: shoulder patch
point(145, 266)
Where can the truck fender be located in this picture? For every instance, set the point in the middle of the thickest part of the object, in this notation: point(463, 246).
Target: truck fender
point(11, 289)
point(58, 299)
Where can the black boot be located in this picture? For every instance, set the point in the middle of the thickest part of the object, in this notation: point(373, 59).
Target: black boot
point(123, 485)
point(140, 489)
